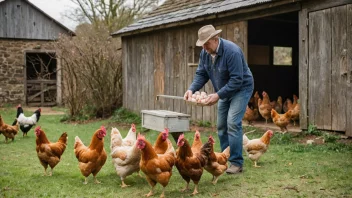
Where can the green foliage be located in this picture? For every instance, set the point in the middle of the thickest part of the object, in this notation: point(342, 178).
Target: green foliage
point(123, 115)
point(330, 137)
point(204, 123)
point(313, 130)
point(283, 139)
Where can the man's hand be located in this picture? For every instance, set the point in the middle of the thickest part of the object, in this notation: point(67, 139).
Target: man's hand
point(187, 95)
point(212, 99)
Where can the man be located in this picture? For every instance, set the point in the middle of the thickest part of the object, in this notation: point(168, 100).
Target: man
point(222, 62)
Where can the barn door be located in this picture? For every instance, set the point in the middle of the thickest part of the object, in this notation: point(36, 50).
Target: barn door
point(41, 88)
point(329, 70)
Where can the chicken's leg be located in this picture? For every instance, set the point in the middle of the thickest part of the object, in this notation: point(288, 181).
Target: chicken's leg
point(96, 180)
point(186, 188)
point(163, 193)
point(255, 164)
point(215, 180)
point(51, 172)
point(123, 185)
point(195, 189)
point(151, 192)
point(85, 181)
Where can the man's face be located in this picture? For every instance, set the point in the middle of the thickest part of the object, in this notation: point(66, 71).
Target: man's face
point(211, 45)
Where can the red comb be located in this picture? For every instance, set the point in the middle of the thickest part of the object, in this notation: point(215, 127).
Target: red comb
point(40, 110)
point(37, 128)
point(103, 128)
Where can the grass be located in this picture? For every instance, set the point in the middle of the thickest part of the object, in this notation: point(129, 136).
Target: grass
point(289, 169)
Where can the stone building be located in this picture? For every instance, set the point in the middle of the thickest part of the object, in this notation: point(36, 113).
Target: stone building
point(29, 71)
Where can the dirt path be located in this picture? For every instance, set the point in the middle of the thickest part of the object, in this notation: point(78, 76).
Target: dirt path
point(45, 110)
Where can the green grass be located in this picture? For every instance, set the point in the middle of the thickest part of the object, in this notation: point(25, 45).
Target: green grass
point(314, 170)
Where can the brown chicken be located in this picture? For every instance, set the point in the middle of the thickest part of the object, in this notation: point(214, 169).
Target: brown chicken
point(295, 114)
point(190, 165)
point(157, 168)
point(91, 159)
point(251, 115)
point(197, 142)
point(288, 105)
point(277, 105)
point(49, 153)
point(161, 144)
point(7, 130)
point(255, 148)
point(217, 162)
point(281, 120)
point(265, 107)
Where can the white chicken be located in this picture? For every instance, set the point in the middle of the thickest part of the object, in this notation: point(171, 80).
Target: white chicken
point(124, 158)
point(131, 136)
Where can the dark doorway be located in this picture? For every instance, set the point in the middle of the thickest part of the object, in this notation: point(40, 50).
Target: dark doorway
point(41, 70)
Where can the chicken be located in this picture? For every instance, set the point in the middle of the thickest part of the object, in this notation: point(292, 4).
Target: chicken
point(49, 153)
point(7, 130)
point(161, 144)
point(281, 120)
point(197, 142)
point(157, 168)
point(26, 123)
point(217, 162)
point(131, 136)
point(255, 148)
point(253, 101)
point(265, 106)
point(288, 105)
point(124, 158)
point(277, 105)
point(91, 159)
point(251, 115)
point(190, 165)
point(295, 114)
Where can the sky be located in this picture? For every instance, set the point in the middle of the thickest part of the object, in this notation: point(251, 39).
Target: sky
point(55, 9)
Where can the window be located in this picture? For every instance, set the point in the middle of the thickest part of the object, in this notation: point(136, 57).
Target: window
point(283, 56)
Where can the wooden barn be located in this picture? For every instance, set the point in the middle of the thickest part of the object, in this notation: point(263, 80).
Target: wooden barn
point(29, 71)
point(301, 47)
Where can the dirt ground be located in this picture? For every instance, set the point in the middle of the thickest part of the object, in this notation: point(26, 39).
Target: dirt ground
point(45, 110)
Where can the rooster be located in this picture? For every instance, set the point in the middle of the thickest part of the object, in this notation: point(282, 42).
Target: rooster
point(217, 162)
point(49, 153)
point(255, 148)
point(91, 159)
point(161, 143)
point(26, 123)
point(157, 168)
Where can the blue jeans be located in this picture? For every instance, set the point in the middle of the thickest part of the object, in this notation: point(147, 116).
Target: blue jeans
point(229, 124)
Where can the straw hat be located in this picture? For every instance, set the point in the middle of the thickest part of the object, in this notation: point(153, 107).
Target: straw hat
point(205, 33)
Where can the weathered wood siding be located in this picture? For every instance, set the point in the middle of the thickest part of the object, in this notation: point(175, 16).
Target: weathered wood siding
point(329, 82)
point(20, 20)
point(157, 63)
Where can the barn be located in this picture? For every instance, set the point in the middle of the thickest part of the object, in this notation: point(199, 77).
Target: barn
point(29, 71)
point(300, 47)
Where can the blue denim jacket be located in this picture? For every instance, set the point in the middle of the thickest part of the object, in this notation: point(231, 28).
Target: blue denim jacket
point(228, 74)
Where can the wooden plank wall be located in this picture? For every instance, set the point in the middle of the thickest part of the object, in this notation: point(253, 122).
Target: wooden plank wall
point(157, 63)
point(349, 68)
point(339, 68)
point(320, 69)
point(24, 21)
point(303, 68)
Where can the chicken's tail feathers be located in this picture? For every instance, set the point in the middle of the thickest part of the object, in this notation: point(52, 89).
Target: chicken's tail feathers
point(78, 142)
point(227, 152)
point(245, 139)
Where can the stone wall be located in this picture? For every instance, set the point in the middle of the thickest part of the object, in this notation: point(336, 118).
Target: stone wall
point(12, 67)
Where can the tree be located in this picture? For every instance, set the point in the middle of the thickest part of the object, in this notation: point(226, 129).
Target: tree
point(115, 14)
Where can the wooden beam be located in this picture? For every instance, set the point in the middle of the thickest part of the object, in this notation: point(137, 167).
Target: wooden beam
point(314, 5)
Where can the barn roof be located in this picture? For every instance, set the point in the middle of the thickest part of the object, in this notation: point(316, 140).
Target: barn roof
point(45, 14)
point(173, 11)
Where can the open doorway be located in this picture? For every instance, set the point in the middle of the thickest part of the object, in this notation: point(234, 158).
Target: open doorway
point(273, 54)
point(41, 76)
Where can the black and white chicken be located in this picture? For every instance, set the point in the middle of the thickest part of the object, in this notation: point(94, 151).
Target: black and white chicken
point(26, 123)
